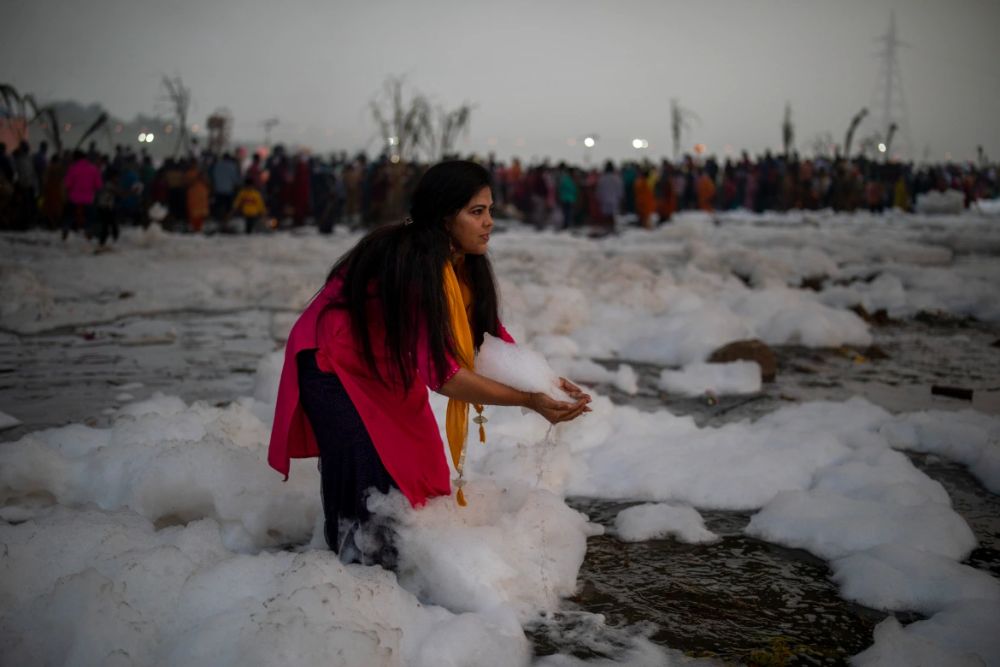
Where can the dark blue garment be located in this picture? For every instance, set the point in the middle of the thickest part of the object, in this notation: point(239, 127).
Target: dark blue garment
point(349, 464)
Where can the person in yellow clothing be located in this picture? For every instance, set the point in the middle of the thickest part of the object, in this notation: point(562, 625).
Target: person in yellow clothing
point(249, 204)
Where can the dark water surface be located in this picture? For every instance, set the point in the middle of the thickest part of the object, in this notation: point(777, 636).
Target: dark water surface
point(745, 601)
point(738, 600)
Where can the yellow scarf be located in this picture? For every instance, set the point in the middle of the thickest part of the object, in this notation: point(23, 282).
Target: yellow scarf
point(457, 417)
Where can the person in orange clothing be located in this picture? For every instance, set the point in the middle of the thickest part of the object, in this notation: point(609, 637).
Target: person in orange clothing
point(705, 191)
point(198, 198)
point(644, 201)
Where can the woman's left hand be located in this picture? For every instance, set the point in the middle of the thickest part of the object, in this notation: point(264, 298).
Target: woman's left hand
point(574, 392)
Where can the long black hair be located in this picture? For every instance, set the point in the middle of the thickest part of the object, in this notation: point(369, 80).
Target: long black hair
point(398, 270)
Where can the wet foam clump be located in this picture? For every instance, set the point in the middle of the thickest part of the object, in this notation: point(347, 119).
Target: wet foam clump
point(645, 522)
point(624, 378)
point(736, 377)
point(968, 437)
point(963, 634)
point(92, 587)
point(518, 366)
point(511, 545)
point(169, 527)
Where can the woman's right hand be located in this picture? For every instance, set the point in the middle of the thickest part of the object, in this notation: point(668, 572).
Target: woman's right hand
point(557, 411)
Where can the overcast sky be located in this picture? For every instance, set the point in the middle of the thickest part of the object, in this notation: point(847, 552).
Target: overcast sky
point(540, 74)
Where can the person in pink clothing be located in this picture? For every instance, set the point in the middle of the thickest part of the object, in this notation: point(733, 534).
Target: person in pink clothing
point(389, 323)
point(83, 180)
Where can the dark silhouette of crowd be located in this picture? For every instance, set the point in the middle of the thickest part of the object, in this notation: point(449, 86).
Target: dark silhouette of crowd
point(95, 193)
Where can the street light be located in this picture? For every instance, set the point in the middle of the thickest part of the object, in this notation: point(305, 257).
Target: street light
point(142, 137)
point(881, 148)
point(589, 142)
point(640, 144)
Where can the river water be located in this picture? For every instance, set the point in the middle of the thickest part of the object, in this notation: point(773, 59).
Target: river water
point(738, 600)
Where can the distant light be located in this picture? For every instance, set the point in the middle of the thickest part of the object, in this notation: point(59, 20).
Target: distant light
point(881, 148)
point(142, 137)
point(196, 127)
point(947, 156)
point(393, 141)
point(571, 141)
point(149, 138)
point(728, 148)
point(67, 127)
point(168, 128)
point(394, 159)
point(118, 128)
point(700, 148)
point(589, 142)
point(519, 141)
point(492, 141)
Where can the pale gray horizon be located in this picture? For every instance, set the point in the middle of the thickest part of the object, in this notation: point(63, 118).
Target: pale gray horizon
point(541, 75)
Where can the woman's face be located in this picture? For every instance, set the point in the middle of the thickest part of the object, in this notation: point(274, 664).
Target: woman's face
point(470, 228)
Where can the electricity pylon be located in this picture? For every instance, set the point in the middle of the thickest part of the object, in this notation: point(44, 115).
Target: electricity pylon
point(893, 103)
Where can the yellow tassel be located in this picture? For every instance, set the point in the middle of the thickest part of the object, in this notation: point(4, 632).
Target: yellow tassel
point(460, 497)
point(481, 420)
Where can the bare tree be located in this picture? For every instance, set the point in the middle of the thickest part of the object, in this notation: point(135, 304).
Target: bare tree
point(869, 144)
point(18, 107)
point(822, 145)
point(47, 117)
point(787, 129)
point(679, 123)
point(51, 126)
point(413, 127)
point(858, 117)
point(451, 124)
point(405, 125)
point(178, 97)
point(99, 122)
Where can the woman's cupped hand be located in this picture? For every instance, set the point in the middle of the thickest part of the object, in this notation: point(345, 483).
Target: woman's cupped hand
point(556, 411)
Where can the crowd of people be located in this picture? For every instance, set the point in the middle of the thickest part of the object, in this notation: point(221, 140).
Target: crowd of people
point(95, 193)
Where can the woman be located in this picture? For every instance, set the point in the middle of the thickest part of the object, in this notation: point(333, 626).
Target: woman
point(405, 309)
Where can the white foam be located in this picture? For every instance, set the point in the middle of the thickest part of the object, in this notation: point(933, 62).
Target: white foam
point(518, 366)
point(899, 578)
point(645, 522)
point(736, 377)
point(963, 634)
point(623, 378)
point(968, 437)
